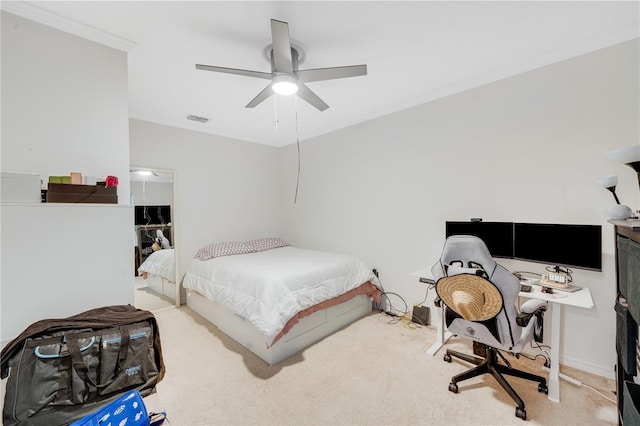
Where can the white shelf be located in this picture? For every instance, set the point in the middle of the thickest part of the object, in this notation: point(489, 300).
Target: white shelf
point(45, 205)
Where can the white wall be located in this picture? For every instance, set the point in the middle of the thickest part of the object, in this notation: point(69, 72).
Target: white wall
point(64, 104)
point(64, 108)
point(152, 193)
point(62, 259)
point(528, 148)
point(226, 189)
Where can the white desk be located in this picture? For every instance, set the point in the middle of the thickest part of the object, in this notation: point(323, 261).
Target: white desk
point(581, 298)
point(442, 335)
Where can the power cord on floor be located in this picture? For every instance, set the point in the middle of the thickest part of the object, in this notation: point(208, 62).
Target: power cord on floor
point(601, 394)
point(391, 311)
point(578, 383)
point(406, 320)
point(426, 294)
point(397, 316)
point(547, 363)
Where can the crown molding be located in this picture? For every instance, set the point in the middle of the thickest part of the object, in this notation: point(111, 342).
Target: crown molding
point(35, 13)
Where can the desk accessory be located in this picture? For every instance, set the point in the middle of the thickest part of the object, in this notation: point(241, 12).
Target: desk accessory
point(629, 156)
point(618, 211)
point(525, 288)
point(556, 276)
point(421, 315)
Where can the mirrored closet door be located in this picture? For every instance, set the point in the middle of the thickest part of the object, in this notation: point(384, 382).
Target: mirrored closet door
point(152, 195)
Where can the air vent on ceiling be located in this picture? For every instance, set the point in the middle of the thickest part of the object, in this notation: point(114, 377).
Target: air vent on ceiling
point(197, 118)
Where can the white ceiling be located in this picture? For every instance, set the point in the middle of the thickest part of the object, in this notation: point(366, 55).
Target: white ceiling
point(415, 52)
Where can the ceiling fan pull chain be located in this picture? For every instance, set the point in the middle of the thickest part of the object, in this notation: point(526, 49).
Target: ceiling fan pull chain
point(295, 103)
point(275, 111)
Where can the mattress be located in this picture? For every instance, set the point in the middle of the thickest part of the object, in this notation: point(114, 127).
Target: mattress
point(160, 263)
point(269, 288)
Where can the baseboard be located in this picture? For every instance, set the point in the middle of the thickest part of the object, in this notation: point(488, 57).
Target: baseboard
point(587, 367)
point(598, 370)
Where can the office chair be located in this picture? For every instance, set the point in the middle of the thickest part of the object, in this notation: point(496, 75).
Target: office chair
point(480, 303)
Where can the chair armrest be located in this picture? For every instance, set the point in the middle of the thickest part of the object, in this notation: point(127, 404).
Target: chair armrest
point(530, 308)
point(532, 305)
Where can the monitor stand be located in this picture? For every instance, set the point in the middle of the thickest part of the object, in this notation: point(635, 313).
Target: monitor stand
point(569, 288)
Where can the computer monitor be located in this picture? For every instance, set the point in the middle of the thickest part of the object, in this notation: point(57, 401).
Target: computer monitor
point(498, 236)
point(576, 246)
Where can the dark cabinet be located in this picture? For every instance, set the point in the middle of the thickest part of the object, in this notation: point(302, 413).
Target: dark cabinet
point(627, 309)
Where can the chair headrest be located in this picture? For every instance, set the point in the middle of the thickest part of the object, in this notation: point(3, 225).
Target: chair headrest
point(468, 251)
point(470, 296)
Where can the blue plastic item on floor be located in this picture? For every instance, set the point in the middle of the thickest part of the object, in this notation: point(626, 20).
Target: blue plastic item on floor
point(127, 410)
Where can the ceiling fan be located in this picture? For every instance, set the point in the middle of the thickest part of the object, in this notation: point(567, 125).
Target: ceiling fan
point(285, 76)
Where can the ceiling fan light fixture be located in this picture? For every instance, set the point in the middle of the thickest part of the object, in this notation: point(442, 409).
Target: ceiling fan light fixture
point(285, 77)
point(284, 85)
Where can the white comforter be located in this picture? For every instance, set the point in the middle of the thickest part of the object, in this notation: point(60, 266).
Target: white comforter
point(161, 263)
point(269, 287)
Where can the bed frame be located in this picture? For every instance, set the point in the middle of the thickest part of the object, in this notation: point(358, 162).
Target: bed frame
point(161, 285)
point(309, 330)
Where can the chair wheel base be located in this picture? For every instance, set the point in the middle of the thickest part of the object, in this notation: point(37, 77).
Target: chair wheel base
point(542, 388)
point(453, 388)
point(447, 357)
point(521, 413)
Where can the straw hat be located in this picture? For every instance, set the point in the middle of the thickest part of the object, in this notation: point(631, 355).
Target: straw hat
point(470, 296)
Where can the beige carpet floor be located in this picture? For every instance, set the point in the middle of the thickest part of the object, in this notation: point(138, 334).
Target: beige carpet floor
point(147, 299)
point(370, 373)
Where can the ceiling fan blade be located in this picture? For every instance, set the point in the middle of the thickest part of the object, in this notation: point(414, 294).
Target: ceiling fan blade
point(305, 93)
point(266, 92)
point(236, 71)
point(281, 47)
point(319, 74)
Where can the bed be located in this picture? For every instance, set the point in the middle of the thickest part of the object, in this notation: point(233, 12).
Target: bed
point(276, 299)
point(160, 273)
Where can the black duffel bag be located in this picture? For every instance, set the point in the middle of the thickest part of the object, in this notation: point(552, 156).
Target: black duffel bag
point(60, 370)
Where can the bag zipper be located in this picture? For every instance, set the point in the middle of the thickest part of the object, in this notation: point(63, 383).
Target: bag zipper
point(118, 339)
point(91, 342)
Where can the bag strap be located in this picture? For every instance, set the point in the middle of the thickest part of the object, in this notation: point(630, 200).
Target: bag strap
point(124, 349)
point(80, 366)
point(77, 361)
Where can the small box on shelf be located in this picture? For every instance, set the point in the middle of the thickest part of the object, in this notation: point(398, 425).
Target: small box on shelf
point(20, 187)
point(76, 178)
point(60, 179)
point(66, 193)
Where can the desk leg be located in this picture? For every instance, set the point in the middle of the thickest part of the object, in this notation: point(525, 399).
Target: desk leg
point(442, 335)
point(554, 371)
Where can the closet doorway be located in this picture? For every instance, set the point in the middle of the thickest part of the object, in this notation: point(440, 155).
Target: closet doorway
point(154, 253)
